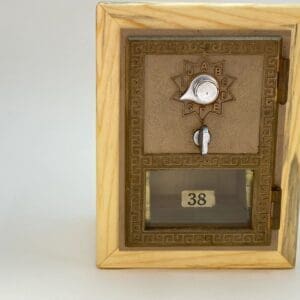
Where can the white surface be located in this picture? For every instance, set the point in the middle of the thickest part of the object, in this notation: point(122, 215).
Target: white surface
point(47, 173)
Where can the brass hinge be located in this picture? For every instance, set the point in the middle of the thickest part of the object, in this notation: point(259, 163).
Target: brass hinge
point(283, 80)
point(275, 207)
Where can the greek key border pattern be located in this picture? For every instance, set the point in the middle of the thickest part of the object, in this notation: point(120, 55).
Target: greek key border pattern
point(137, 162)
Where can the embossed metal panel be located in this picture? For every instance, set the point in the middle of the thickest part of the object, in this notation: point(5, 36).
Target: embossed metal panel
point(139, 162)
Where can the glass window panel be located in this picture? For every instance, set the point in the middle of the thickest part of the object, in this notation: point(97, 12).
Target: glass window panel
point(198, 197)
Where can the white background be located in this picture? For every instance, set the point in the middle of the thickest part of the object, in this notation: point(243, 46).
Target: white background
point(47, 172)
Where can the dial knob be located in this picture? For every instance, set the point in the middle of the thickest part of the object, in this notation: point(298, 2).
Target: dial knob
point(204, 89)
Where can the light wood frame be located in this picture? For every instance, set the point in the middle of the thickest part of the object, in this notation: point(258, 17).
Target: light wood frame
point(111, 19)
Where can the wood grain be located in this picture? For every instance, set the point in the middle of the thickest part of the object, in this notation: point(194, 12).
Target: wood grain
point(203, 16)
point(196, 259)
point(107, 131)
point(291, 171)
point(111, 19)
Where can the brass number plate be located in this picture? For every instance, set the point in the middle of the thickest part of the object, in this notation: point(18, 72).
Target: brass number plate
point(198, 198)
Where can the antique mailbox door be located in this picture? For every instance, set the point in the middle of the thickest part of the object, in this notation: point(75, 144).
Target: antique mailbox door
point(201, 121)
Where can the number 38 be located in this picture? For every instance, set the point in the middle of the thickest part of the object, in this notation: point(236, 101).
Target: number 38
point(199, 199)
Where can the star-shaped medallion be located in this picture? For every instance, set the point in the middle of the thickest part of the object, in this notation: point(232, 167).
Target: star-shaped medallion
point(192, 70)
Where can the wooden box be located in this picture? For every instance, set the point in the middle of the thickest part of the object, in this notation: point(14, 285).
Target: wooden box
point(142, 144)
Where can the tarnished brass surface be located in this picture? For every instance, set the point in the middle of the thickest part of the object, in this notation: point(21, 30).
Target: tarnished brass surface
point(137, 162)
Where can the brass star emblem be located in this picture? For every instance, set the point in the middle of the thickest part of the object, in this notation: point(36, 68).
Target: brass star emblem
point(193, 69)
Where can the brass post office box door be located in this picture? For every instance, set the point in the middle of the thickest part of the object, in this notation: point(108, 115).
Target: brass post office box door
point(166, 176)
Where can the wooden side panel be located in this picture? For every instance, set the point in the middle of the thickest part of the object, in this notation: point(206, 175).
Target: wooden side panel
point(291, 166)
point(108, 72)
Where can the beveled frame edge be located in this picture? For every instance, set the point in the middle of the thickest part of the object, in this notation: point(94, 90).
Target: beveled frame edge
point(111, 18)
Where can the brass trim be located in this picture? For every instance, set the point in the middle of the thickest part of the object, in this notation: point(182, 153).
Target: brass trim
point(137, 162)
point(147, 198)
point(276, 208)
point(249, 187)
point(283, 80)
